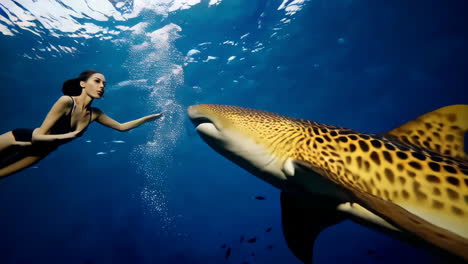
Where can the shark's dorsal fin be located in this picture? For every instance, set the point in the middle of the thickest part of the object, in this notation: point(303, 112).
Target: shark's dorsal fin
point(304, 219)
point(441, 131)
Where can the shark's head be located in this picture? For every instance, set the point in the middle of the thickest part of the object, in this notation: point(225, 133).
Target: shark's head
point(253, 139)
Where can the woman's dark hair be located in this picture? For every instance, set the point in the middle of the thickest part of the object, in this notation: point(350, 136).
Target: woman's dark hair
point(72, 87)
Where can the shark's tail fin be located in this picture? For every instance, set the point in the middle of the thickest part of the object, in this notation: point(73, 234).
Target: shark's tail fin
point(441, 131)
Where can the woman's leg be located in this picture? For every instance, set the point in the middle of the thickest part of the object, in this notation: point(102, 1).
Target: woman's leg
point(8, 139)
point(19, 165)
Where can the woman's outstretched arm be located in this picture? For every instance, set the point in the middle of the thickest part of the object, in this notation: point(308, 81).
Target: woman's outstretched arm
point(60, 108)
point(109, 122)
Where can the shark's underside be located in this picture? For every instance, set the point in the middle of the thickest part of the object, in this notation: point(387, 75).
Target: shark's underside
point(411, 181)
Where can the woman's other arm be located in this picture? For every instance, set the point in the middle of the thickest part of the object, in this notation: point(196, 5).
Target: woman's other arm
point(105, 120)
point(60, 108)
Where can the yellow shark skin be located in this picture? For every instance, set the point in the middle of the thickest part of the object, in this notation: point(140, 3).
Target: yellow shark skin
point(413, 179)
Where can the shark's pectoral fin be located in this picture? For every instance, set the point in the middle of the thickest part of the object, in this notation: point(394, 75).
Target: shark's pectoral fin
point(441, 131)
point(303, 219)
point(425, 232)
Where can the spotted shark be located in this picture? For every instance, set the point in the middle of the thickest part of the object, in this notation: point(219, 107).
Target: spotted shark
point(411, 182)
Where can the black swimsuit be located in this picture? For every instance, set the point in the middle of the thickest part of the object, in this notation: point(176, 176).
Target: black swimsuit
point(15, 153)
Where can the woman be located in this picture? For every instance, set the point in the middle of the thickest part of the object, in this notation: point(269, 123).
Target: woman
point(68, 118)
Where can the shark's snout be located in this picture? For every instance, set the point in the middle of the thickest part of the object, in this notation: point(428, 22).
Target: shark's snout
point(203, 121)
point(197, 117)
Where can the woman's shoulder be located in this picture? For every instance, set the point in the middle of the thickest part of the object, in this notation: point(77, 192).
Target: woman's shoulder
point(64, 102)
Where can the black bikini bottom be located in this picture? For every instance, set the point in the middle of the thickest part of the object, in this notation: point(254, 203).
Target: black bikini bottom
point(13, 154)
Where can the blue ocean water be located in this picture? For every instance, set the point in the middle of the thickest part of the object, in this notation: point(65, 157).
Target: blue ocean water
point(159, 194)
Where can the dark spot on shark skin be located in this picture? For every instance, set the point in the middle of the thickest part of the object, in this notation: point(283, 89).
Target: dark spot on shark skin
point(260, 198)
point(434, 166)
point(402, 155)
point(376, 143)
point(343, 139)
point(364, 136)
point(438, 205)
point(252, 240)
point(419, 156)
point(457, 210)
point(389, 147)
point(404, 139)
point(432, 178)
point(453, 195)
point(400, 167)
point(353, 137)
point(228, 253)
point(450, 138)
point(363, 145)
point(390, 176)
point(319, 140)
point(375, 157)
point(452, 180)
point(436, 158)
point(426, 144)
point(268, 229)
point(223, 246)
point(450, 169)
point(387, 156)
point(415, 165)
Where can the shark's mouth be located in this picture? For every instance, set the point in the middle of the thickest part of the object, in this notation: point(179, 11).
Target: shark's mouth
point(201, 121)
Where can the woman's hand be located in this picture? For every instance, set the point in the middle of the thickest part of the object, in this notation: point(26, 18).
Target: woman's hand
point(77, 133)
point(153, 117)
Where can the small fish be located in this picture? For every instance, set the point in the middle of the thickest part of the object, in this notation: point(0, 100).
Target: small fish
point(228, 253)
point(270, 247)
point(252, 254)
point(241, 239)
point(268, 229)
point(259, 197)
point(223, 246)
point(118, 141)
point(101, 153)
point(370, 252)
point(252, 240)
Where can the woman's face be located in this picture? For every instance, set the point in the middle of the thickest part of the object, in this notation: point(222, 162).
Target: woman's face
point(95, 85)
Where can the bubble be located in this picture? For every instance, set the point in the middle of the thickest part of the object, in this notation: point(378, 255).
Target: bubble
point(153, 57)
